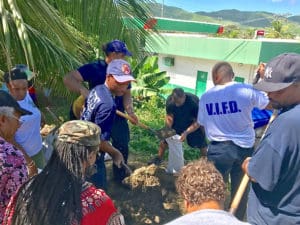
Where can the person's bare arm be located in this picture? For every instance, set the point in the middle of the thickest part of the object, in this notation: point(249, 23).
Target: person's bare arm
point(116, 155)
point(128, 105)
point(31, 167)
point(74, 82)
point(194, 126)
point(169, 120)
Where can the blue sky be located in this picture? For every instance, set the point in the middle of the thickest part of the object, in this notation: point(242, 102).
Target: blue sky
point(274, 6)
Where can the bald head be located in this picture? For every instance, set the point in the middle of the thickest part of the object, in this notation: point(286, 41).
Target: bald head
point(222, 73)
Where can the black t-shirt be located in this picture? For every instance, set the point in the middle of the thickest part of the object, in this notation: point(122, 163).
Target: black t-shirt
point(94, 73)
point(184, 115)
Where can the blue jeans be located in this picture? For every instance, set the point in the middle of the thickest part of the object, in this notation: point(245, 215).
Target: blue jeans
point(120, 139)
point(228, 158)
point(99, 178)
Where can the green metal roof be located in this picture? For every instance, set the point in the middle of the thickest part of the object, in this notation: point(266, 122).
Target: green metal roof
point(164, 24)
point(245, 51)
point(272, 49)
point(173, 25)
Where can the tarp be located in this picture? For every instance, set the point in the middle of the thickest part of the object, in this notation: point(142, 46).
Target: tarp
point(260, 117)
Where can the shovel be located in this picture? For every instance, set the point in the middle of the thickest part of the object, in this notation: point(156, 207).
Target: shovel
point(244, 183)
point(162, 133)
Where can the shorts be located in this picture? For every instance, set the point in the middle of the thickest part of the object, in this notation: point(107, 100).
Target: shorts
point(197, 139)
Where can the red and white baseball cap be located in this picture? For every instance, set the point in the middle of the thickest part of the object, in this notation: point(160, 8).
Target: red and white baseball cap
point(120, 70)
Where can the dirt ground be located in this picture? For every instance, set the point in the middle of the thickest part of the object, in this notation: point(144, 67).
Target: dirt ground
point(149, 196)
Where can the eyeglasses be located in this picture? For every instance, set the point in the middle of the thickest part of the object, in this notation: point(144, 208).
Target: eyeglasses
point(13, 116)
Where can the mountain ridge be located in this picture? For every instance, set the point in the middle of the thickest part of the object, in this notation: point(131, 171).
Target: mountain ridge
point(256, 19)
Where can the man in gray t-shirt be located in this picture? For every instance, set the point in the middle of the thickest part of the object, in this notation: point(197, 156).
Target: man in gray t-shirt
point(275, 166)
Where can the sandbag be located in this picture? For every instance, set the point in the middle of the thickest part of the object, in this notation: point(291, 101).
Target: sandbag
point(175, 158)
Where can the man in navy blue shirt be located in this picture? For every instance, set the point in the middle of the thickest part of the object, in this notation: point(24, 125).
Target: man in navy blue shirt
point(100, 108)
point(94, 73)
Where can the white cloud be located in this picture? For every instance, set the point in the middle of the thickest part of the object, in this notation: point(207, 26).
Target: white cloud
point(292, 2)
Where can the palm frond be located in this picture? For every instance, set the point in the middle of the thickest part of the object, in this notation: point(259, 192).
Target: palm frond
point(143, 91)
point(33, 33)
point(5, 36)
point(150, 83)
point(55, 36)
point(155, 80)
point(105, 19)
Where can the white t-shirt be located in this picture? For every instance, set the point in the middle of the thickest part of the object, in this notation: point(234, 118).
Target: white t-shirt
point(225, 112)
point(207, 217)
point(28, 135)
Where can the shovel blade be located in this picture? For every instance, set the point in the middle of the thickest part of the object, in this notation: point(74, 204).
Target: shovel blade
point(165, 132)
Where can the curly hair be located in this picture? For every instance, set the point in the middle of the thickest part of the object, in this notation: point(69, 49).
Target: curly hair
point(199, 182)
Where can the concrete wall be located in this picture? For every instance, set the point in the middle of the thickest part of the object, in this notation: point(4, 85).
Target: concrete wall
point(184, 72)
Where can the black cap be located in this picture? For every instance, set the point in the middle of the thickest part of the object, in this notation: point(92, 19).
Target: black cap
point(7, 100)
point(19, 72)
point(281, 72)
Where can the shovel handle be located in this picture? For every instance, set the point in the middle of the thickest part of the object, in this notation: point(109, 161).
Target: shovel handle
point(239, 194)
point(54, 116)
point(244, 183)
point(119, 113)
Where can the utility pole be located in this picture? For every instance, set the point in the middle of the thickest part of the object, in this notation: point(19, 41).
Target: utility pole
point(162, 9)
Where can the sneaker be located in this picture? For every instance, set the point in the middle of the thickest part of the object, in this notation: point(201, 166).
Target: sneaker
point(174, 172)
point(156, 161)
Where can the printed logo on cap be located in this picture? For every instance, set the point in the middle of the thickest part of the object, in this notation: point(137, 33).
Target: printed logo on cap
point(125, 69)
point(268, 72)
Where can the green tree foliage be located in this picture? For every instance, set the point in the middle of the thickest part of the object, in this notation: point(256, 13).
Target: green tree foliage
point(144, 142)
point(230, 31)
point(279, 29)
point(33, 33)
point(234, 31)
point(105, 19)
point(55, 36)
point(150, 81)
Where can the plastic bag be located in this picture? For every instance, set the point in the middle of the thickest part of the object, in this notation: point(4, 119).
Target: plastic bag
point(175, 159)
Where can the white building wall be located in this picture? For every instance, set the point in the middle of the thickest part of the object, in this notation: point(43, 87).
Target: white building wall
point(184, 71)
